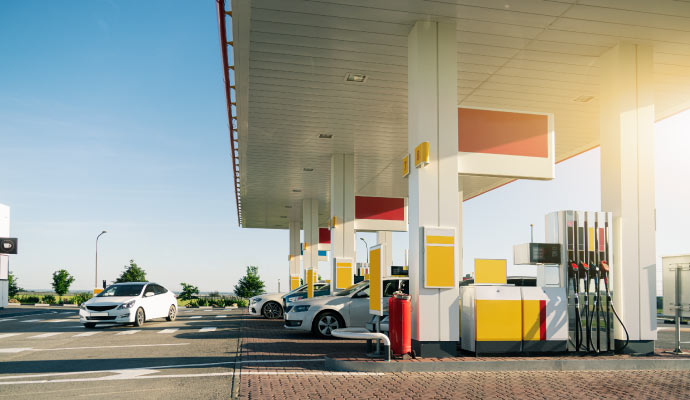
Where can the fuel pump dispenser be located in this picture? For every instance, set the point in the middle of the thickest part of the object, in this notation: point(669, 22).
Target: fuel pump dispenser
point(585, 237)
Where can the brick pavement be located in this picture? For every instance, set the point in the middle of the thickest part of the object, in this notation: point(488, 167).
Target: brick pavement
point(264, 341)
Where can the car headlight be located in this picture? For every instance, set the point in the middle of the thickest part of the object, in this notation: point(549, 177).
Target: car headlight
point(290, 300)
point(128, 304)
point(256, 300)
point(301, 308)
point(82, 306)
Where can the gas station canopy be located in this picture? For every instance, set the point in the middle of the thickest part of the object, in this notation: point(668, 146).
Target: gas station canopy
point(315, 78)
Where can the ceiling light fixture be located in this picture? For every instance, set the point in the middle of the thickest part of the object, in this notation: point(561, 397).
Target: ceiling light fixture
point(583, 99)
point(307, 169)
point(283, 216)
point(355, 78)
point(326, 136)
point(288, 206)
point(297, 190)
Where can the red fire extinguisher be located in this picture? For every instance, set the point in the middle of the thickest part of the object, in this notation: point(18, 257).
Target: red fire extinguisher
point(399, 323)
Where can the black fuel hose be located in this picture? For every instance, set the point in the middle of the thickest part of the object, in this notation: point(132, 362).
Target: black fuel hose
point(627, 336)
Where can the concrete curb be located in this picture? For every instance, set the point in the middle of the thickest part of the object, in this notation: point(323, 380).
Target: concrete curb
point(70, 305)
point(637, 364)
point(42, 305)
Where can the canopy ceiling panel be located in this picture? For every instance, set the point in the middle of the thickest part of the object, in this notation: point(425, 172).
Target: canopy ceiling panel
point(291, 58)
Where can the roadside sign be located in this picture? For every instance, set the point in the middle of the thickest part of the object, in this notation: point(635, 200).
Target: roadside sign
point(375, 281)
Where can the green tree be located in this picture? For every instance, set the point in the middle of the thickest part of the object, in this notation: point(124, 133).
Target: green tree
point(188, 291)
point(250, 285)
point(14, 287)
point(62, 280)
point(132, 273)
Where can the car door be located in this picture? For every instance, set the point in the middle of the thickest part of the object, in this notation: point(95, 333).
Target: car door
point(358, 309)
point(160, 301)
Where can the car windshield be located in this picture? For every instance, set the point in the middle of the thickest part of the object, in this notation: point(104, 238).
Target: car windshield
point(317, 286)
point(352, 289)
point(122, 290)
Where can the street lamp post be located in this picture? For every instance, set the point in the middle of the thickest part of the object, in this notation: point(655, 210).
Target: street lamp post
point(365, 243)
point(95, 282)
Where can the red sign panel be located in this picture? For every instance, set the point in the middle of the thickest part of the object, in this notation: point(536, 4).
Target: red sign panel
point(324, 235)
point(383, 208)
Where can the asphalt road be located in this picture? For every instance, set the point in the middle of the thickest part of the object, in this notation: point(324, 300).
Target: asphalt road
point(50, 355)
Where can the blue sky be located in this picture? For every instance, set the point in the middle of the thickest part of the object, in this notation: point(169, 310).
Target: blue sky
point(112, 116)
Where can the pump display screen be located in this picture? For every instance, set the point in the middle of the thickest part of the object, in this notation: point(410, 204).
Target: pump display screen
point(545, 253)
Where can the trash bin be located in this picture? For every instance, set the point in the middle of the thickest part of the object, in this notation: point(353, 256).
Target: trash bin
point(399, 323)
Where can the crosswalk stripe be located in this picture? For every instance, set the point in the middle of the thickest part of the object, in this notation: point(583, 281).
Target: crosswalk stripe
point(31, 320)
point(44, 335)
point(221, 316)
point(171, 330)
point(85, 334)
point(4, 335)
point(208, 329)
point(60, 320)
point(7, 319)
point(195, 317)
point(128, 332)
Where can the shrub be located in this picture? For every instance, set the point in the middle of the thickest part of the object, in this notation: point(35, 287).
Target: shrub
point(202, 302)
point(82, 297)
point(66, 300)
point(49, 299)
point(188, 291)
point(242, 303)
point(218, 302)
point(29, 299)
point(193, 303)
point(14, 301)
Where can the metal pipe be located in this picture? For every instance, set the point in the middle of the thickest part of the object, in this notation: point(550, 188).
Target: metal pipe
point(228, 100)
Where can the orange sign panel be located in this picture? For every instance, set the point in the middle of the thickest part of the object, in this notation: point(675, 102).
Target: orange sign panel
point(502, 132)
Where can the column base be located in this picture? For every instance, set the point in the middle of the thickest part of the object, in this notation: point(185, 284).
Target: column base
point(634, 346)
point(434, 349)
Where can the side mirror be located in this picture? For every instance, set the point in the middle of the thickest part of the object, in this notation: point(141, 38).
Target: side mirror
point(148, 294)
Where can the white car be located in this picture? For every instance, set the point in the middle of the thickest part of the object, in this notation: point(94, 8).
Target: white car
point(270, 305)
point(348, 308)
point(129, 303)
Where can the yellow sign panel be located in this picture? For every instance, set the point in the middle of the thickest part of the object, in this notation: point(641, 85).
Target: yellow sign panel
point(421, 154)
point(97, 291)
point(498, 320)
point(590, 239)
point(375, 282)
point(406, 165)
point(343, 274)
point(439, 258)
point(294, 282)
point(490, 271)
point(310, 283)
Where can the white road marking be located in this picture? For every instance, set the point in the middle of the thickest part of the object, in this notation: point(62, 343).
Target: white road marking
point(221, 316)
point(8, 319)
point(146, 374)
point(60, 320)
point(16, 350)
point(195, 317)
point(209, 310)
point(69, 312)
point(171, 330)
point(44, 335)
point(32, 320)
point(4, 335)
point(127, 332)
point(94, 347)
point(85, 334)
point(208, 329)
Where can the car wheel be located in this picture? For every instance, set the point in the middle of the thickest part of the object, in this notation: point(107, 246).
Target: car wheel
point(139, 317)
point(272, 310)
point(326, 322)
point(172, 313)
point(89, 325)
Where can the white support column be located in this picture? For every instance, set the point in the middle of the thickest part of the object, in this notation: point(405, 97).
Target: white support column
point(461, 196)
point(310, 216)
point(343, 214)
point(627, 187)
point(386, 238)
point(433, 189)
point(294, 255)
